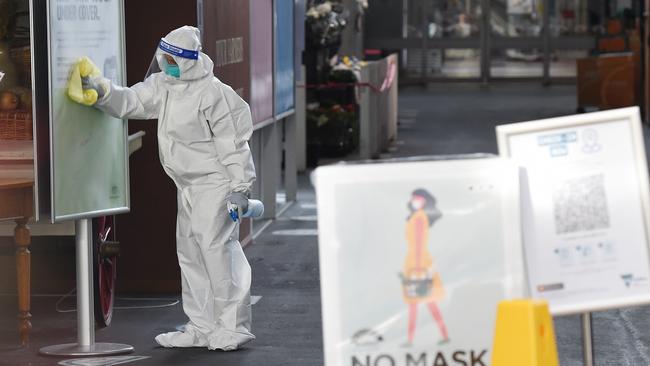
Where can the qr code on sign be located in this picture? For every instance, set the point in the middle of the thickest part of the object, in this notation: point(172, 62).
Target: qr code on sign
point(581, 205)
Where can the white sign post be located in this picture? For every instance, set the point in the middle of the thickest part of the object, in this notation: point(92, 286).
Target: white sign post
point(86, 345)
point(585, 209)
point(414, 258)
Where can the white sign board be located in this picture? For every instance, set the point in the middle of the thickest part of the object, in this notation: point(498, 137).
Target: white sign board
point(89, 150)
point(414, 257)
point(585, 208)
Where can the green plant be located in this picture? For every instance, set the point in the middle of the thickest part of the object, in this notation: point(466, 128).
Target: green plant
point(342, 76)
point(334, 128)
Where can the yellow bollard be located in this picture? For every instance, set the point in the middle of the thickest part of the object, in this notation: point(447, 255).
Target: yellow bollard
point(524, 335)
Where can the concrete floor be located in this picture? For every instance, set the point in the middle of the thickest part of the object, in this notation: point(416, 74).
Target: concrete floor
point(286, 318)
point(444, 119)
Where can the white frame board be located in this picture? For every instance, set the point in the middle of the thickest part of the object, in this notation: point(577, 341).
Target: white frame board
point(90, 13)
point(475, 245)
point(585, 208)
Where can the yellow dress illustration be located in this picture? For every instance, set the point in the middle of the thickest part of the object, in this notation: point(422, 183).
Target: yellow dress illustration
point(421, 282)
point(419, 265)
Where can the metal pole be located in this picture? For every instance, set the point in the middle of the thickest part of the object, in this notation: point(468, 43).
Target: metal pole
point(85, 345)
point(546, 34)
point(290, 165)
point(405, 31)
point(646, 58)
point(85, 316)
point(424, 29)
point(486, 30)
point(587, 340)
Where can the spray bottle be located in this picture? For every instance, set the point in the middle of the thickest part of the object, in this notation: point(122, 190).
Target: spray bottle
point(255, 209)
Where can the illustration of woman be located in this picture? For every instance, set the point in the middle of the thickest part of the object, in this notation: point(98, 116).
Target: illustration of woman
point(420, 280)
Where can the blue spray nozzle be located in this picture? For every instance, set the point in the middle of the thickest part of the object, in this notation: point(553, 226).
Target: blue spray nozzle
point(234, 215)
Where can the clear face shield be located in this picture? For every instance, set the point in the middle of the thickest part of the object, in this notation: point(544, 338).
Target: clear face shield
point(166, 59)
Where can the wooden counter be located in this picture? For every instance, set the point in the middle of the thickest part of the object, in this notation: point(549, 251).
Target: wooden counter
point(609, 81)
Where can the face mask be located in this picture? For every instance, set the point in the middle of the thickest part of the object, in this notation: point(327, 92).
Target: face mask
point(172, 70)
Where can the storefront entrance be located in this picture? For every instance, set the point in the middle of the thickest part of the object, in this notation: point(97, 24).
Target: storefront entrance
point(492, 39)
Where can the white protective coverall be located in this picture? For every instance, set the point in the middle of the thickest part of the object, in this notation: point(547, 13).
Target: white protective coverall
point(203, 133)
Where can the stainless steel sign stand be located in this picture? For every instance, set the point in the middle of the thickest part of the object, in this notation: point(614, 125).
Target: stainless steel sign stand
point(587, 340)
point(85, 345)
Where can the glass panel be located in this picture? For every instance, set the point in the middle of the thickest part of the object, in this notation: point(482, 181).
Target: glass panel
point(441, 21)
point(453, 18)
point(563, 62)
point(461, 63)
point(572, 18)
point(416, 61)
point(576, 17)
point(516, 19)
point(513, 63)
point(612, 22)
point(16, 120)
point(413, 13)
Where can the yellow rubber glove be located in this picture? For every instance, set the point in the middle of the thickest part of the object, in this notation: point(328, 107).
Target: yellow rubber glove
point(84, 67)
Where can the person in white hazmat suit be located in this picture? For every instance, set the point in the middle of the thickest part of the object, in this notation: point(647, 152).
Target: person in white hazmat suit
point(203, 133)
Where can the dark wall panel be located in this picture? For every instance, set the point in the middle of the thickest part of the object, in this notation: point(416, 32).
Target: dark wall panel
point(383, 19)
point(148, 234)
point(226, 41)
point(261, 60)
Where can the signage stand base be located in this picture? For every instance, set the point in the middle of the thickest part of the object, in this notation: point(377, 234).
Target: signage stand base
point(97, 349)
point(86, 345)
point(587, 340)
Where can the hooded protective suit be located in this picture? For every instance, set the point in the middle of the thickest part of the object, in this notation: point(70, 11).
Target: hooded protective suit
point(203, 133)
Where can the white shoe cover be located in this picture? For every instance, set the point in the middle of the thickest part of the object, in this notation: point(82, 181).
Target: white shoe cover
point(181, 339)
point(228, 341)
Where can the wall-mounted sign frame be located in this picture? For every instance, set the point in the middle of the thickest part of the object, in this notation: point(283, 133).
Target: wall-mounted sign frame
point(585, 208)
point(283, 56)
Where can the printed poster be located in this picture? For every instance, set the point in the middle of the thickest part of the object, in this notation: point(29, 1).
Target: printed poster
point(414, 258)
point(583, 209)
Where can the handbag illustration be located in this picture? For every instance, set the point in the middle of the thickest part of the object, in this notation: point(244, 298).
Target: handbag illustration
point(421, 283)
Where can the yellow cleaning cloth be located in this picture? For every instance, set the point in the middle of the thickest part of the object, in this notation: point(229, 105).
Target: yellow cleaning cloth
point(82, 68)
